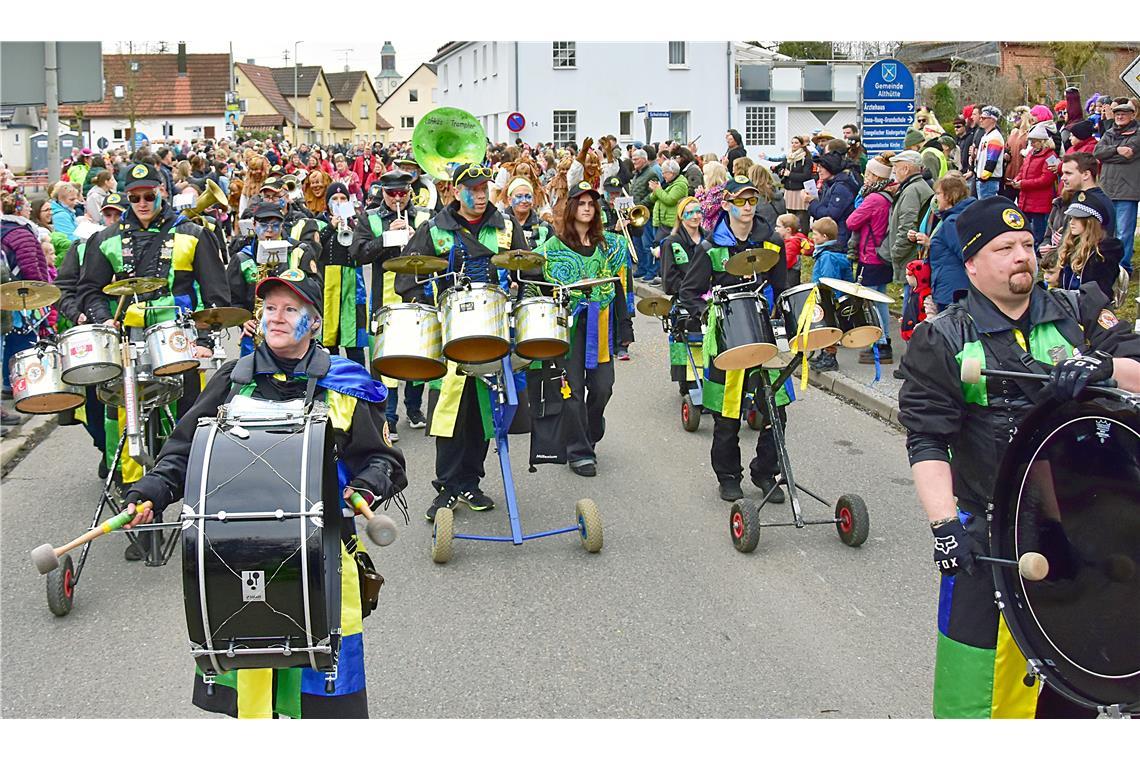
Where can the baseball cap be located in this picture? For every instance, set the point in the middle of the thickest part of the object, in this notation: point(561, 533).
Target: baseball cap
point(267, 211)
point(308, 288)
point(909, 156)
point(612, 183)
point(115, 200)
point(143, 175)
point(582, 188)
point(738, 185)
point(472, 175)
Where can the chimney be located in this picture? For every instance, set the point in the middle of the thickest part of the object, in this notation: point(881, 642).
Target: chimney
point(181, 59)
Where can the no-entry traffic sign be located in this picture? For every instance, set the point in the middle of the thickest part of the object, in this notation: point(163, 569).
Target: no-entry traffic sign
point(516, 122)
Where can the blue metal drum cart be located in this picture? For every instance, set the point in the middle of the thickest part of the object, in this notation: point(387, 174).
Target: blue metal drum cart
point(587, 520)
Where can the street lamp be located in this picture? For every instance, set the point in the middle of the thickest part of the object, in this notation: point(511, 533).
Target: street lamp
point(296, 68)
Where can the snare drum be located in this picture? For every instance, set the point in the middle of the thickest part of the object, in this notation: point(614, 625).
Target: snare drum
point(170, 346)
point(542, 328)
point(91, 354)
point(823, 329)
point(476, 328)
point(743, 331)
point(261, 545)
point(152, 392)
point(1069, 488)
point(37, 382)
point(408, 342)
point(858, 320)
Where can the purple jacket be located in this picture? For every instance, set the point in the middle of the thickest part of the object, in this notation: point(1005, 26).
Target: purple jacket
point(22, 249)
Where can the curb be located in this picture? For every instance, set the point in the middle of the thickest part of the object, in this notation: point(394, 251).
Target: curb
point(837, 384)
point(14, 448)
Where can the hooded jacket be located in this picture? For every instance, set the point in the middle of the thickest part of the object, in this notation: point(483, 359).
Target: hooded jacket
point(911, 200)
point(707, 269)
point(22, 249)
point(666, 199)
point(837, 200)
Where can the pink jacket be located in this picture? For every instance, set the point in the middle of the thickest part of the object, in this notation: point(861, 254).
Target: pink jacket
point(870, 220)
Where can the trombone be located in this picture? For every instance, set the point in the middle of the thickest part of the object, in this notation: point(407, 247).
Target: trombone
point(635, 215)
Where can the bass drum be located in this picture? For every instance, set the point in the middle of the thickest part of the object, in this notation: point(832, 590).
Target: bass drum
point(1069, 488)
point(261, 546)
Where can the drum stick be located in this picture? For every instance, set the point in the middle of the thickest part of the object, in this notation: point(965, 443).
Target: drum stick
point(121, 308)
point(1032, 566)
point(46, 558)
point(381, 529)
point(972, 372)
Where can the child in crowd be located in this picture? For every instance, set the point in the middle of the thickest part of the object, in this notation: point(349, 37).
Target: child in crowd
point(830, 261)
point(796, 244)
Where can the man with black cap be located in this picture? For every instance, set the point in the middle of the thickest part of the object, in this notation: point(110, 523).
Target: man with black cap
point(957, 434)
point(1119, 154)
point(467, 232)
point(291, 365)
point(738, 229)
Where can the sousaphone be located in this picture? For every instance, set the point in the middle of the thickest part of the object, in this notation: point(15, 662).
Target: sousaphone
point(445, 138)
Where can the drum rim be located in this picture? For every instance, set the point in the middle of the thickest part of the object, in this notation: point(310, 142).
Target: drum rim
point(168, 324)
point(453, 292)
point(412, 306)
point(46, 348)
point(88, 328)
point(802, 287)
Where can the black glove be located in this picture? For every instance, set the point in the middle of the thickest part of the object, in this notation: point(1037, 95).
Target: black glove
point(1071, 376)
point(954, 548)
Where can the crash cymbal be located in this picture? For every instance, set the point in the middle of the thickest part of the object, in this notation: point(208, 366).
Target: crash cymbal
point(221, 317)
point(518, 260)
point(134, 286)
point(18, 295)
point(587, 284)
point(752, 261)
point(415, 264)
point(855, 289)
point(655, 306)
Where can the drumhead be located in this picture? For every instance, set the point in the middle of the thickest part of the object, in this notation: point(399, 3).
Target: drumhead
point(1069, 488)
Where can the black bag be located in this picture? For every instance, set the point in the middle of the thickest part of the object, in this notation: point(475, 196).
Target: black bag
point(547, 445)
point(370, 583)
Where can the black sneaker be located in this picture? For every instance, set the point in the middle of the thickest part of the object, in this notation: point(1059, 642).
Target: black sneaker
point(133, 552)
point(777, 496)
point(730, 490)
point(897, 374)
point(416, 420)
point(442, 499)
point(104, 471)
point(476, 500)
point(825, 363)
point(393, 436)
point(585, 468)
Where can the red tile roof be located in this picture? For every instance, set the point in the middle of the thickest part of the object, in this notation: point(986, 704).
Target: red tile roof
point(338, 120)
point(382, 123)
point(257, 120)
point(262, 78)
point(156, 88)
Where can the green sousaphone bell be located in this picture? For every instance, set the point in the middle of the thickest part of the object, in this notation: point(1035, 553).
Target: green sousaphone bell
point(446, 137)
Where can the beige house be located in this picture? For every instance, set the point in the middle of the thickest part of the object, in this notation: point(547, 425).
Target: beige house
point(354, 98)
point(411, 100)
point(262, 104)
point(312, 97)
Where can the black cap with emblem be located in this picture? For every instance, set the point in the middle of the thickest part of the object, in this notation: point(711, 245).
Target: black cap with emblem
point(582, 188)
point(143, 175)
point(984, 220)
point(307, 287)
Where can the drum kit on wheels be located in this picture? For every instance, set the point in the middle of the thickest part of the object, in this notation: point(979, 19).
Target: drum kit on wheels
point(478, 328)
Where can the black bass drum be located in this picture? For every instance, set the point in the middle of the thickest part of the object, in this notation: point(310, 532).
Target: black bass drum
point(261, 544)
point(1069, 488)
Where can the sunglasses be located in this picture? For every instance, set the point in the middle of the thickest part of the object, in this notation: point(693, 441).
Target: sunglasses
point(268, 226)
point(396, 193)
point(751, 200)
point(475, 172)
point(145, 197)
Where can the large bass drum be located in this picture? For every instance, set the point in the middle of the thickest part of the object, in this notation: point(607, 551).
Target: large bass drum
point(262, 541)
point(1069, 488)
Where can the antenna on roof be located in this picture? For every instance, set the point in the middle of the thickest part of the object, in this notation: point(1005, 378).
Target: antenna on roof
point(346, 51)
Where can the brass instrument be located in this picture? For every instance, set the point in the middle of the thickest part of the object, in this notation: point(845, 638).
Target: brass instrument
point(212, 196)
point(445, 138)
point(269, 263)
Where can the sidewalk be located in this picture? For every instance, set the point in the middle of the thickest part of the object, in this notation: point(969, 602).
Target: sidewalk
point(22, 438)
point(853, 382)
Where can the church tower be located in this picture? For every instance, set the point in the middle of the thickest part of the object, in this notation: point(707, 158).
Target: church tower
point(387, 80)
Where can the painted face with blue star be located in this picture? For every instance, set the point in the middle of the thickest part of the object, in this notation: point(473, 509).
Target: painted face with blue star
point(288, 323)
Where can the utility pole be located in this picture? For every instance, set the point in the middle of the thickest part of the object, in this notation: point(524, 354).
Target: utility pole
point(51, 95)
point(296, 67)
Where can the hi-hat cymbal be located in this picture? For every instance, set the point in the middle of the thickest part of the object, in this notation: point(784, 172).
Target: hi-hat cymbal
point(587, 284)
point(27, 294)
point(134, 286)
point(518, 260)
point(752, 261)
point(855, 289)
point(221, 317)
point(654, 306)
point(415, 264)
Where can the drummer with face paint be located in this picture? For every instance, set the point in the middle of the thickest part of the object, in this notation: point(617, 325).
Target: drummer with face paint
point(957, 435)
point(280, 370)
point(737, 229)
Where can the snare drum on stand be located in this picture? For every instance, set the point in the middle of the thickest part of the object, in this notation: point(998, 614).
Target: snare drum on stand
point(408, 342)
point(743, 330)
point(170, 346)
point(37, 382)
point(476, 328)
point(822, 328)
point(91, 354)
point(542, 328)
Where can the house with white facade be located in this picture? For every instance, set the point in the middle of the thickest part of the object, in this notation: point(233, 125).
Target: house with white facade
point(410, 101)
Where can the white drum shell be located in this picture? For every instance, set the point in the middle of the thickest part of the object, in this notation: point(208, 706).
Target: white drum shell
point(170, 346)
point(37, 384)
point(91, 354)
point(409, 343)
point(475, 323)
point(542, 328)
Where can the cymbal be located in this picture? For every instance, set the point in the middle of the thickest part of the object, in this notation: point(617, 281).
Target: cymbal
point(518, 260)
point(221, 317)
point(855, 289)
point(27, 294)
point(752, 261)
point(415, 264)
point(654, 306)
point(134, 286)
point(587, 284)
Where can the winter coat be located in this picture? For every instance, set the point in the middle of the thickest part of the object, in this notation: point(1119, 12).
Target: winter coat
point(63, 219)
point(870, 220)
point(914, 307)
point(798, 173)
point(836, 200)
point(947, 272)
point(769, 210)
point(710, 199)
point(639, 185)
point(1102, 269)
point(23, 250)
point(693, 175)
point(831, 261)
point(795, 246)
point(1120, 176)
point(94, 203)
point(911, 201)
point(1038, 178)
point(666, 199)
point(1084, 146)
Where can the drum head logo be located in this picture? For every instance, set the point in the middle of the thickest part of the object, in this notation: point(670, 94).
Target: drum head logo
point(178, 342)
point(252, 586)
point(817, 314)
point(80, 351)
point(1013, 219)
point(19, 384)
point(35, 372)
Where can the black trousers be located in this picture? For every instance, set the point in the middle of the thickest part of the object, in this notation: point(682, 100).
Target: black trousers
point(583, 414)
point(459, 459)
point(726, 448)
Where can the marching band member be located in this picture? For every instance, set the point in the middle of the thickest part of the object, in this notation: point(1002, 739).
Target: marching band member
point(280, 370)
point(677, 250)
point(520, 201)
point(582, 250)
point(346, 300)
point(738, 229)
point(467, 232)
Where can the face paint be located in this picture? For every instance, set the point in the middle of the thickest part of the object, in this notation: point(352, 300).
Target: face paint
point(304, 323)
point(735, 210)
point(467, 198)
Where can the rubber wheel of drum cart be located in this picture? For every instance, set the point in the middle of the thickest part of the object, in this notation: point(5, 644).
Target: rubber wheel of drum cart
point(754, 420)
point(744, 525)
point(60, 587)
point(690, 414)
point(853, 523)
point(442, 536)
point(589, 525)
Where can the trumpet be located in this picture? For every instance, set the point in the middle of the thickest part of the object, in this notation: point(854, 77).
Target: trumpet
point(344, 233)
point(213, 196)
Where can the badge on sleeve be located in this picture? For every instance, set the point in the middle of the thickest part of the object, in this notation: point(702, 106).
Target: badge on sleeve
point(1107, 319)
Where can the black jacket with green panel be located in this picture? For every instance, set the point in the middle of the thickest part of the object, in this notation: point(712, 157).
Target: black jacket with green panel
point(368, 248)
point(970, 425)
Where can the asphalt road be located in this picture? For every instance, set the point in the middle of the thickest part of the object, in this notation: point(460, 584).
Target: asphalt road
point(667, 621)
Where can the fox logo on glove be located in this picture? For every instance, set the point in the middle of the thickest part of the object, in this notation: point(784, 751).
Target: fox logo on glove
point(945, 545)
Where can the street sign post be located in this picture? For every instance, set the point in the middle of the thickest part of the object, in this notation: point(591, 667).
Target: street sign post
point(516, 122)
point(887, 107)
point(660, 114)
point(1131, 76)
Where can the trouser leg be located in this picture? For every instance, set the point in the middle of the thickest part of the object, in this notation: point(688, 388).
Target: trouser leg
point(390, 411)
point(413, 397)
point(599, 389)
point(726, 449)
point(459, 459)
point(766, 463)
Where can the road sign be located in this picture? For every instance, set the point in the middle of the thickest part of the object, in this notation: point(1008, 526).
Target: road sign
point(516, 122)
point(660, 114)
point(139, 138)
point(887, 108)
point(641, 109)
point(888, 79)
point(1131, 76)
point(102, 143)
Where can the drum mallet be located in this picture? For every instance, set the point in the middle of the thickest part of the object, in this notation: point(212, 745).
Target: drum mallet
point(46, 558)
point(1031, 566)
point(972, 372)
point(381, 529)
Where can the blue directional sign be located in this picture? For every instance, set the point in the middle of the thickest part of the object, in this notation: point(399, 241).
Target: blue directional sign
point(888, 105)
point(660, 114)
